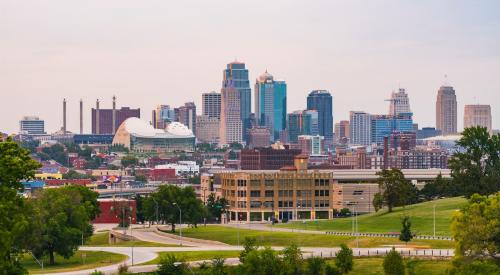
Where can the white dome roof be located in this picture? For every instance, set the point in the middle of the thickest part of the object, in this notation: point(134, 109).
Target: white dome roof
point(178, 129)
point(138, 127)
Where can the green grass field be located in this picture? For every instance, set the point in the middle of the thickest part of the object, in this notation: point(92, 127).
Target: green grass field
point(229, 235)
point(382, 222)
point(197, 255)
point(363, 266)
point(93, 259)
point(101, 239)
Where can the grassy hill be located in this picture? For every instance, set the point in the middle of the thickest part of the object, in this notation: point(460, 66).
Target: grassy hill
point(382, 222)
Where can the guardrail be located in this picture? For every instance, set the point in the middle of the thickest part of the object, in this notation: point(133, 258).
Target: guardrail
point(418, 237)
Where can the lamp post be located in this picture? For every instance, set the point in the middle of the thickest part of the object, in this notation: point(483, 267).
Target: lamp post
point(154, 200)
point(434, 219)
point(180, 221)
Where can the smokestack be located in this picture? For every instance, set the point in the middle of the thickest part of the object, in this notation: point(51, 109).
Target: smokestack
point(97, 117)
point(81, 116)
point(114, 114)
point(64, 116)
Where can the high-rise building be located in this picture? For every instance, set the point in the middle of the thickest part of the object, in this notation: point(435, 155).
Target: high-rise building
point(400, 103)
point(231, 126)
point(187, 115)
point(162, 116)
point(236, 77)
point(360, 128)
point(270, 104)
point(427, 132)
point(211, 104)
point(259, 137)
point(312, 145)
point(302, 123)
point(342, 132)
point(32, 125)
point(207, 129)
point(383, 125)
point(102, 119)
point(446, 110)
point(477, 115)
point(321, 101)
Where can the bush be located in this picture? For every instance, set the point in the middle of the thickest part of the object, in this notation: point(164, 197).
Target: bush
point(170, 264)
point(97, 273)
point(344, 260)
point(393, 263)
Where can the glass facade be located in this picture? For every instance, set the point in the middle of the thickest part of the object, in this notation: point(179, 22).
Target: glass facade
point(302, 123)
point(270, 104)
point(321, 101)
point(236, 76)
point(382, 126)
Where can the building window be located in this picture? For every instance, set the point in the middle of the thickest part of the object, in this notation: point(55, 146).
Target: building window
point(269, 193)
point(255, 194)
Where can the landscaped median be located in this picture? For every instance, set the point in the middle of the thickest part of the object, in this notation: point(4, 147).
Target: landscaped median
point(229, 235)
point(102, 239)
point(80, 261)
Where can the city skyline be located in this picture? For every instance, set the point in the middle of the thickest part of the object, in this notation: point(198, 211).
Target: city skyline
point(45, 60)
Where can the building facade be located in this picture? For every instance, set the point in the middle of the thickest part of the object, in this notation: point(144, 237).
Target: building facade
point(102, 119)
point(312, 145)
point(302, 123)
point(321, 101)
point(342, 132)
point(477, 115)
point(400, 103)
point(267, 158)
point(32, 125)
point(382, 126)
point(270, 104)
point(360, 128)
point(231, 125)
point(259, 137)
point(446, 110)
point(162, 116)
point(186, 115)
point(207, 129)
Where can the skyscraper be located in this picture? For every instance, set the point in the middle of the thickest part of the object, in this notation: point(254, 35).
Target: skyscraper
point(383, 125)
point(342, 132)
point(32, 125)
point(236, 77)
point(231, 126)
point(162, 116)
point(321, 101)
point(446, 110)
point(477, 115)
point(187, 115)
point(270, 104)
point(211, 104)
point(400, 103)
point(360, 128)
point(302, 123)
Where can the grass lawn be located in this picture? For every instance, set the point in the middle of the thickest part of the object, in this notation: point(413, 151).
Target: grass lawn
point(101, 239)
point(93, 259)
point(382, 222)
point(190, 256)
point(374, 266)
point(266, 238)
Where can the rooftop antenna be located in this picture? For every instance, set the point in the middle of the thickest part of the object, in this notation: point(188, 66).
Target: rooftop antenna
point(446, 80)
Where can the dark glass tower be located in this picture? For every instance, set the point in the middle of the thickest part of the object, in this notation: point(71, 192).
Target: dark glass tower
point(321, 101)
point(236, 76)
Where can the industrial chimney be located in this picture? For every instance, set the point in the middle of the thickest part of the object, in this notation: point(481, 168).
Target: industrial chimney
point(97, 126)
point(114, 114)
point(64, 116)
point(81, 116)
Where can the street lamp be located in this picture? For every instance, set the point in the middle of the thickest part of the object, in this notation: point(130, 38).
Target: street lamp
point(434, 219)
point(154, 200)
point(180, 220)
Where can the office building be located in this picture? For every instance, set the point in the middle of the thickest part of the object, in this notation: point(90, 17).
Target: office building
point(270, 104)
point(403, 140)
point(302, 123)
point(32, 125)
point(312, 145)
point(383, 125)
point(211, 104)
point(360, 128)
point(477, 115)
point(267, 158)
point(400, 103)
point(231, 125)
point(259, 137)
point(342, 132)
point(321, 101)
point(207, 129)
point(186, 115)
point(162, 116)
point(427, 132)
point(236, 78)
point(139, 136)
point(102, 119)
point(446, 110)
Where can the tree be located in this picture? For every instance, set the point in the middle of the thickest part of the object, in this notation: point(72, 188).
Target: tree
point(393, 263)
point(475, 167)
point(215, 207)
point(315, 266)
point(141, 178)
point(406, 234)
point(218, 267)
point(62, 222)
point(476, 229)
point(265, 262)
point(56, 152)
point(332, 270)
point(128, 161)
point(396, 190)
point(249, 245)
point(440, 187)
point(344, 212)
point(378, 202)
point(15, 222)
point(292, 260)
point(171, 265)
point(344, 260)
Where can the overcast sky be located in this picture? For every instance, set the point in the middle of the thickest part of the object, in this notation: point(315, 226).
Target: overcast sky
point(169, 52)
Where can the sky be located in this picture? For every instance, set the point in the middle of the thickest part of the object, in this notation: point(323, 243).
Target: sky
point(170, 52)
